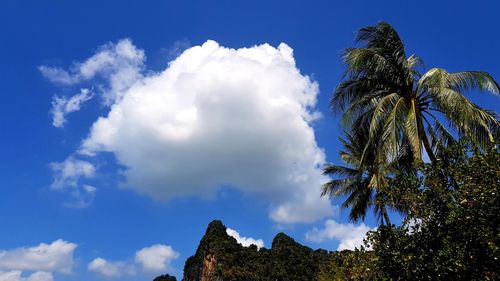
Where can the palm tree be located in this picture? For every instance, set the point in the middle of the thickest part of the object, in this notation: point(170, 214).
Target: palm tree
point(363, 181)
point(392, 113)
point(403, 107)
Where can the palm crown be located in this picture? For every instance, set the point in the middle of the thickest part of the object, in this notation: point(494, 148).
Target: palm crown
point(392, 113)
point(383, 84)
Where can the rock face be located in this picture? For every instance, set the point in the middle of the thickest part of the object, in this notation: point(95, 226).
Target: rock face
point(220, 258)
point(215, 243)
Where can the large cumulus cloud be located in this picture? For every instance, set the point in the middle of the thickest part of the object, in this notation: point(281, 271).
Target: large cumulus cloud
point(217, 116)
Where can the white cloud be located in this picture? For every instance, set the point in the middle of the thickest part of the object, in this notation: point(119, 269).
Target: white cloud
point(120, 64)
point(245, 241)
point(58, 75)
point(306, 207)
point(40, 276)
point(349, 235)
point(216, 116)
point(54, 257)
point(153, 259)
point(16, 275)
point(81, 197)
point(111, 269)
point(67, 177)
point(61, 106)
point(67, 173)
point(156, 258)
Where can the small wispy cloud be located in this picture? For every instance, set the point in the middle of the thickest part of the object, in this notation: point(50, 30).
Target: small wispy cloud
point(120, 65)
point(68, 172)
point(156, 258)
point(67, 178)
point(62, 106)
point(58, 75)
point(81, 196)
point(111, 268)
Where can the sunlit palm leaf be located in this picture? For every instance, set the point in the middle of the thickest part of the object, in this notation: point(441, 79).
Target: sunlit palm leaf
point(412, 130)
point(390, 137)
point(472, 80)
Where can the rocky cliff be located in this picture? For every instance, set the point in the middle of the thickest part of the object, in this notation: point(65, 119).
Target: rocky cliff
point(220, 258)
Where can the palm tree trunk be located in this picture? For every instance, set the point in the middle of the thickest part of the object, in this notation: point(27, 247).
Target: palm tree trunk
point(428, 148)
point(383, 210)
point(426, 142)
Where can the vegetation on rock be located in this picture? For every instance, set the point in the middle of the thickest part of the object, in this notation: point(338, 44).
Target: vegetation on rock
point(165, 277)
point(220, 257)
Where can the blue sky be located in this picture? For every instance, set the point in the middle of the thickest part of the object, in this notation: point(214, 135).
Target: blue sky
point(129, 198)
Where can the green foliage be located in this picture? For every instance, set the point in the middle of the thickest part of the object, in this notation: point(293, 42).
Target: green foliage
point(453, 223)
point(350, 265)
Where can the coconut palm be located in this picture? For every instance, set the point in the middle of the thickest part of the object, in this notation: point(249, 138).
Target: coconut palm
point(361, 182)
point(403, 107)
point(392, 113)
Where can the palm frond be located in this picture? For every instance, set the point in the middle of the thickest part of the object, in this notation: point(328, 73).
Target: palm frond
point(471, 80)
point(359, 202)
point(381, 111)
point(443, 133)
point(340, 187)
point(383, 37)
point(365, 62)
point(339, 170)
point(347, 91)
point(361, 106)
point(414, 61)
point(431, 80)
point(391, 134)
point(469, 119)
